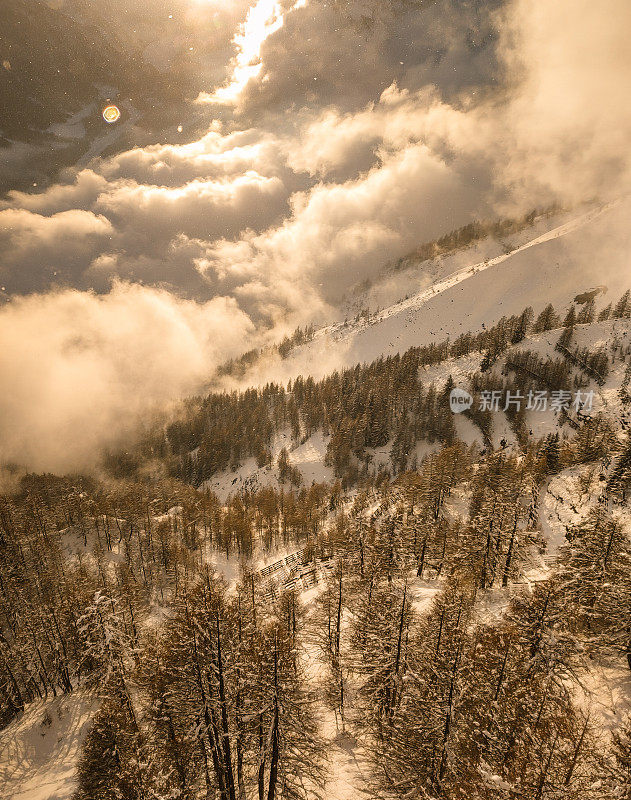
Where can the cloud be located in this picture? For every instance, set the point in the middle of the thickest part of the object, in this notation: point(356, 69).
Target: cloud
point(196, 208)
point(338, 184)
point(131, 213)
point(567, 124)
point(56, 242)
point(339, 233)
point(216, 155)
point(80, 193)
point(80, 370)
point(346, 52)
point(558, 127)
point(365, 129)
point(336, 142)
point(558, 130)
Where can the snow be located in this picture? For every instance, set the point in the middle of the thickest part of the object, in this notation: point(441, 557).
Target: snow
point(502, 434)
point(602, 689)
point(347, 767)
point(471, 289)
point(416, 275)
point(456, 504)
point(308, 457)
point(229, 567)
point(40, 749)
point(605, 691)
point(345, 756)
point(466, 430)
point(458, 276)
point(37, 760)
point(560, 508)
point(422, 594)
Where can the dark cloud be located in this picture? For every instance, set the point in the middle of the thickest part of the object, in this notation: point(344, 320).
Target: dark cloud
point(346, 53)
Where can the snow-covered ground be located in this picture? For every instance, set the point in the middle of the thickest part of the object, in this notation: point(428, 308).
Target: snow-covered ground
point(308, 457)
point(603, 690)
point(465, 291)
point(39, 750)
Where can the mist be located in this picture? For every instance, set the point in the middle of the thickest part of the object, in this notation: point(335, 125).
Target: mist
point(80, 370)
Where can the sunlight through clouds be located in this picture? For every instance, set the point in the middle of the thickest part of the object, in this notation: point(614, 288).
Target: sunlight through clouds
point(263, 19)
point(333, 144)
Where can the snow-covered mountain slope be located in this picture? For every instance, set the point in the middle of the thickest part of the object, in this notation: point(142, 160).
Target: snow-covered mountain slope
point(551, 262)
point(308, 456)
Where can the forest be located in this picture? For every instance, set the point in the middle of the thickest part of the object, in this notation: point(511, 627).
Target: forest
point(423, 611)
point(371, 405)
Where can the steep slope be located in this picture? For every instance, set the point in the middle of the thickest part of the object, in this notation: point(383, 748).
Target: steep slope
point(308, 455)
point(471, 289)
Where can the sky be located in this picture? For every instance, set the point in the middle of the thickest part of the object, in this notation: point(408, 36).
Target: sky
point(340, 135)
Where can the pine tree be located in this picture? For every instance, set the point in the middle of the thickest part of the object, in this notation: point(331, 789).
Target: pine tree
point(622, 308)
point(622, 760)
point(421, 751)
point(110, 765)
point(547, 320)
point(328, 637)
point(605, 314)
point(595, 574)
point(620, 478)
point(378, 639)
point(587, 313)
point(570, 318)
point(551, 451)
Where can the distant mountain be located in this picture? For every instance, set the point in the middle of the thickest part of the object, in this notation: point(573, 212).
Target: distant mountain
point(52, 64)
point(136, 26)
point(465, 285)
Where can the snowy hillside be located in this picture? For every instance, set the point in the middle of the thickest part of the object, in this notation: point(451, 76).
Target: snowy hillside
point(39, 751)
point(308, 455)
point(407, 541)
point(339, 571)
point(551, 262)
point(315, 419)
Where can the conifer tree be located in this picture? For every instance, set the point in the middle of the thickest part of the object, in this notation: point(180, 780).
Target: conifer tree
point(547, 320)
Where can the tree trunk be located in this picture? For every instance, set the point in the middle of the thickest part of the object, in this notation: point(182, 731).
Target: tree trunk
point(224, 717)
